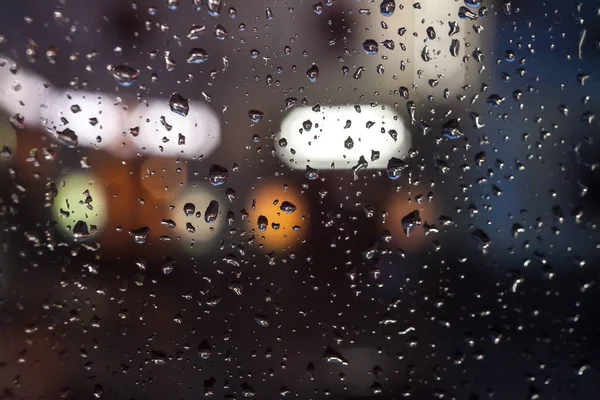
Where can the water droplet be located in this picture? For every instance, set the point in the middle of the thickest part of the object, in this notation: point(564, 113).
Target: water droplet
point(140, 235)
point(205, 349)
point(269, 13)
point(494, 100)
point(179, 104)
point(370, 46)
point(358, 74)
point(168, 266)
point(261, 320)
point(287, 207)
point(394, 168)
point(80, 231)
point(68, 137)
point(473, 3)
point(255, 115)
point(195, 32)
point(431, 33)
point(451, 129)
point(189, 209)
point(509, 55)
point(212, 211)
point(425, 54)
point(318, 8)
point(454, 47)
point(482, 238)
point(220, 32)
point(410, 222)
point(217, 175)
point(389, 44)
point(312, 173)
point(307, 125)
point(403, 90)
point(197, 56)
point(334, 356)
point(98, 390)
point(387, 8)
point(124, 74)
point(262, 223)
point(313, 73)
point(214, 7)
point(454, 28)
point(349, 143)
point(465, 13)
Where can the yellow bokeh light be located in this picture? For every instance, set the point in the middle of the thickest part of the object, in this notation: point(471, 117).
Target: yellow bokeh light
point(199, 236)
point(73, 203)
point(8, 136)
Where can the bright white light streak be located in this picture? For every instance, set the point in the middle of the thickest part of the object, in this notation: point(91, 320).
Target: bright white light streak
point(197, 134)
point(21, 92)
point(30, 95)
point(324, 144)
point(92, 116)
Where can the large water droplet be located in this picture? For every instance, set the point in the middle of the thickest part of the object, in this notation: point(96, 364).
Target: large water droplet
point(214, 7)
point(387, 7)
point(212, 211)
point(220, 32)
point(262, 223)
point(124, 74)
point(349, 143)
point(473, 3)
point(68, 137)
point(197, 56)
point(217, 175)
point(179, 104)
point(255, 115)
point(80, 231)
point(189, 209)
point(140, 235)
point(370, 46)
point(287, 207)
point(394, 168)
point(313, 73)
point(410, 222)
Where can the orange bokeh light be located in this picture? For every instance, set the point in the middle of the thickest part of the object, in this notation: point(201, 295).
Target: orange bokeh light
point(268, 198)
point(401, 204)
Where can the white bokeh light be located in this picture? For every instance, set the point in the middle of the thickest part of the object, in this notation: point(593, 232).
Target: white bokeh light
point(324, 143)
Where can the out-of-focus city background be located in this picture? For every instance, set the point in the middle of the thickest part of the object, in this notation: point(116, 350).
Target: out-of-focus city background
point(306, 199)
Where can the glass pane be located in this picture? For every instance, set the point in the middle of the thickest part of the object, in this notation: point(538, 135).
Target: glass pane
point(343, 199)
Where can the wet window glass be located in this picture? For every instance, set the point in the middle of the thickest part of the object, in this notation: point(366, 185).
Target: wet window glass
point(346, 199)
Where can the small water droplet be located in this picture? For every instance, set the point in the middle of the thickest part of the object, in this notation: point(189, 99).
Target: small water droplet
point(189, 209)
